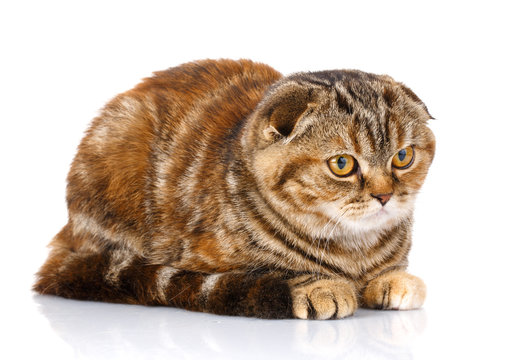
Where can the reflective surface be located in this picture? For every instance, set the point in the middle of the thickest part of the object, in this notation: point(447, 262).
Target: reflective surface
point(450, 327)
point(107, 331)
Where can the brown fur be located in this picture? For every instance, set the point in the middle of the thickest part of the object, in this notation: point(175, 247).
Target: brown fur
point(206, 187)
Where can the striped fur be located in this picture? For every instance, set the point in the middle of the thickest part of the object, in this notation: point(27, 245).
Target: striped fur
point(206, 187)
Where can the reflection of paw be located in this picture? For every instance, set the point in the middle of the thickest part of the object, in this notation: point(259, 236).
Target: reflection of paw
point(395, 290)
point(322, 299)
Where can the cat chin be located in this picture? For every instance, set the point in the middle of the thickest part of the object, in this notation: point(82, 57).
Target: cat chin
point(380, 221)
point(373, 220)
point(366, 232)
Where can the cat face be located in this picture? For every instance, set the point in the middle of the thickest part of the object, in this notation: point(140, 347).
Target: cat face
point(342, 152)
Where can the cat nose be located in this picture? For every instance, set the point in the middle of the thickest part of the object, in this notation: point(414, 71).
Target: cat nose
point(383, 198)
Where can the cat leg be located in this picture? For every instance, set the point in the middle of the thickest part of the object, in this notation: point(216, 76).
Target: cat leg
point(396, 290)
point(121, 277)
point(267, 295)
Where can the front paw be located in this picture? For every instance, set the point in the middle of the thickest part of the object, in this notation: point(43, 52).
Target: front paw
point(396, 290)
point(322, 298)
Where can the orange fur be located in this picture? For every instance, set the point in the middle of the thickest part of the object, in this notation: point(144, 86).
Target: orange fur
point(207, 187)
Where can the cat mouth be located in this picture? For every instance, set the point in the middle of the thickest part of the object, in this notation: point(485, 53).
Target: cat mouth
point(381, 213)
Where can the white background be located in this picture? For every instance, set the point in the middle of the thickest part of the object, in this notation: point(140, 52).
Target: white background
point(62, 61)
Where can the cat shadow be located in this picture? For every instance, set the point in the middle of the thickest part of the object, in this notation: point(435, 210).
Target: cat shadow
point(101, 330)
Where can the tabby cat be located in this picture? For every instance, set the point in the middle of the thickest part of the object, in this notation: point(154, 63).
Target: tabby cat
point(224, 187)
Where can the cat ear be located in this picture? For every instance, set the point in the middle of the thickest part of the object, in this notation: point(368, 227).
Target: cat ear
point(284, 110)
point(410, 93)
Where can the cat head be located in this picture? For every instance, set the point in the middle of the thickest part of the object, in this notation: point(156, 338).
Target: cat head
point(340, 152)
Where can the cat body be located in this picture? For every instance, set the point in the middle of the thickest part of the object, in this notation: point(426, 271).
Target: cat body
point(219, 186)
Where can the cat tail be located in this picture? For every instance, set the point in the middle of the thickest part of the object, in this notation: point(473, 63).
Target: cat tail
point(119, 277)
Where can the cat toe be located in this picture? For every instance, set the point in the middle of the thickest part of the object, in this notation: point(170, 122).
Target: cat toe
point(395, 291)
point(324, 299)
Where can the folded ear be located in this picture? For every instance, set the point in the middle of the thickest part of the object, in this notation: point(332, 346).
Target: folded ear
point(284, 108)
point(410, 93)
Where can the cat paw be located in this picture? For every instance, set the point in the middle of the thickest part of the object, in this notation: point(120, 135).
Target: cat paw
point(396, 291)
point(323, 299)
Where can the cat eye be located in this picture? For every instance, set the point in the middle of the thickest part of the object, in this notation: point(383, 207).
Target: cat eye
point(403, 158)
point(342, 165)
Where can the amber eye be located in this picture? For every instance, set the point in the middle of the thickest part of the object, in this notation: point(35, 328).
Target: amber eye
point(342, 165)
point(404, 158)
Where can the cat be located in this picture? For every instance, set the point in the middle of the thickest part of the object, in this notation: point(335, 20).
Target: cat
point(223, 187)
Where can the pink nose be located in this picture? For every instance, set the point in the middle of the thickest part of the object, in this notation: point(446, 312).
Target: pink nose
point(383, 198)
